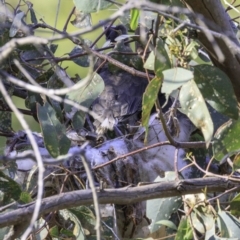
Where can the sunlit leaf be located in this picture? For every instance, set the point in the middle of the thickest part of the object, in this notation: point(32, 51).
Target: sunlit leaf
point(217, 89)
point(226, 140)
point(184, 231)
point(161, 209)
point(82, 20)
point(149, 64)
point(167, 223)
point(229, 225)
point(78, 231)
point(54, 232)
point(162, 61)
point(175, 78)
point(89, 6)
point(236, 162)
point(134, 16)
point(149, 98)
point(54, 133)
point(194, 106)
point(25, 197)
point(202, 221)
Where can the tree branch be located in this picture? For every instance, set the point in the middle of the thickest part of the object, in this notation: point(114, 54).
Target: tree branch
point(118, 196)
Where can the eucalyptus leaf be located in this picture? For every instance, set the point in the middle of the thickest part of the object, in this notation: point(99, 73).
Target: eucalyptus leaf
point(33, 16)
point(162, 61)
point(217, 89)
point(10, 188)
point(162, 209)
point(70, 218)
point(226, 141)
point(228, 225)
point(17, 24)
point(174, 78)
point(89, 6)
point(184, 231)
point(149, 98)
point(134, 16)
point(149, 64)
point(54, 133)
point(85, 97)
point(194, 106)
point(167, 223)
point(234, 205)
point(202, 221)
point(6, 122)
point(82, 61)
point(82, 20)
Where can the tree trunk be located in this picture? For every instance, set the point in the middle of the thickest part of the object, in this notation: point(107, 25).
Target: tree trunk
point(216, 19)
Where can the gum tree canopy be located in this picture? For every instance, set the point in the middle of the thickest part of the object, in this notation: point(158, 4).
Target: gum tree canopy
point(144, 145)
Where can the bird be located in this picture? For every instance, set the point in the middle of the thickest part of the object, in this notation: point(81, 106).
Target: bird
point(120, 101)
point(111, 33)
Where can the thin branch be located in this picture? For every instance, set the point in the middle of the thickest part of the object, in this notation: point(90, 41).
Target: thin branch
point(38, 156)
point(95, 197)
point(68, 19)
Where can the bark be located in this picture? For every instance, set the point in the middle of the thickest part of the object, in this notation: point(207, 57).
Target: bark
point(118, 196)
point(216, 19)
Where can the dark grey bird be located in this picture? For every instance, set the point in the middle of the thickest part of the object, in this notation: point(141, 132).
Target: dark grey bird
point(120, 101)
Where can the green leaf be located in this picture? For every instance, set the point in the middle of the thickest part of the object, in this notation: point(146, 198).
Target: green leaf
point(202, 221)
point(149, 98)
point(234, 205)
point(149, 64)
point(226, 140)
point(54, 233)
point(5, 116)
point(194, 106)
point(85, 216)
point(17, 24)
point(175, 78)
point(134, 16)
point(33, 16)
point(89, 6)
point(82, 20)
point(54, 133)
point(123, 58)
point(167, 223)
point(9, 187)
point(217, 89)
point(25, 197)
point(82, 61)
point(70, 218)
point(228, 225)
point(6, 122)
point(236, 162)
point(162, 61)
point(161, 209)
point(184, 231)
point(85, 97)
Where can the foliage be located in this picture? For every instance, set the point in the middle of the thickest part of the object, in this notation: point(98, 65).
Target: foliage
point(139, 108)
